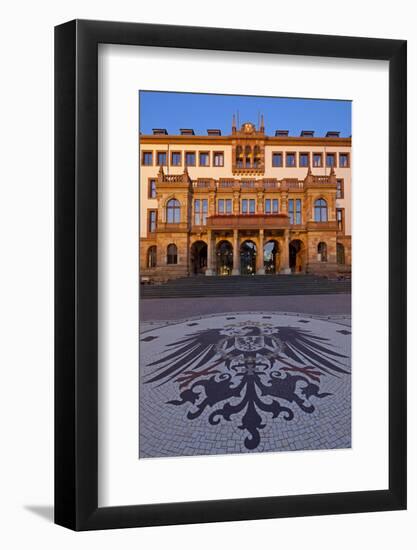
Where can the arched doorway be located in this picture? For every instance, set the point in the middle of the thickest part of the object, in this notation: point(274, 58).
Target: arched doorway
point(224, 258)
point(198, 258)
point(271, 257)
point(248, 258)
point(296, 253)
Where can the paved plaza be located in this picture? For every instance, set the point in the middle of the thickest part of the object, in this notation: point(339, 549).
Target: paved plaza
point(230, 381)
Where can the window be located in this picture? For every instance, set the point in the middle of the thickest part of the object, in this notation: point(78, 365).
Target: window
point(190, 158)
point(200, 211)
point(172, 255)
point(330, 160)
point(339, 189)
point(295, 215)
point(152, 221)
point(320, 210)
point(271, 206)
point(147, 158)
point(248, 206)
point(218, 158)
point(173, 211)
point(322, 252)
point(161, 158)
point(304, 160)
point(290, 160)
point(340, 219)
point(298, 211)
point(277, 160)
point(340, 253)
point(204, 159)
point(344, 160)
point(152, 189)
point(317, 160)
point(224, 206)
point(151, 257)
point(175, 158)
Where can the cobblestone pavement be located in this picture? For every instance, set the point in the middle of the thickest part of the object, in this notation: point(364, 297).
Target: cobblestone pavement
point(182, 308)
point(244, 382)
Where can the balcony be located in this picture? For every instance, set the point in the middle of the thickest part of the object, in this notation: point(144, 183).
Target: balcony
point(248, 221)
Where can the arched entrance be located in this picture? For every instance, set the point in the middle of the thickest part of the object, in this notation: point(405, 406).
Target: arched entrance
point(271, 257)
point(296, 253)
point(198, 258)
point(224, 258)
point(248, 258)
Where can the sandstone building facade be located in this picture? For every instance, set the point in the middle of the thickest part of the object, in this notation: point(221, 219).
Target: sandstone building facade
point(246, 203)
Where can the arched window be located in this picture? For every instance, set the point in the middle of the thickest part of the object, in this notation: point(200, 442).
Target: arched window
point(322, 252)
point(173, 211)
point(340, 252)
point(320, 210)
point(248, 156)
point(172, 255)
point(239, 156)
point(151, 260)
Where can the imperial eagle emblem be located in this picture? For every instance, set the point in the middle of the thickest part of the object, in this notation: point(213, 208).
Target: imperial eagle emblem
point(249, 370)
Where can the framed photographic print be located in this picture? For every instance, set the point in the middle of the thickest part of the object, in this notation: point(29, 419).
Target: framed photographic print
point(230, 332)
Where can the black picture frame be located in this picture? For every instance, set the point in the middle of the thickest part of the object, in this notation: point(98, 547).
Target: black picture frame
point(76, 272)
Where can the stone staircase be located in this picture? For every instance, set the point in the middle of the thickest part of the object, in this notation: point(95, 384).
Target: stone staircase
point(260, 285)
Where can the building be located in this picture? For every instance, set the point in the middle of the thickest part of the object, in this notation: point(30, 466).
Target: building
point(246, 203)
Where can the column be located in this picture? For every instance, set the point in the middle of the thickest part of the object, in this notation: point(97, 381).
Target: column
point(236, 253)
point(260, 255)
point(210, 255)
point(285, 256)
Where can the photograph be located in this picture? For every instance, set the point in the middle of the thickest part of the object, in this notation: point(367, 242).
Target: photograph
point(245, 265)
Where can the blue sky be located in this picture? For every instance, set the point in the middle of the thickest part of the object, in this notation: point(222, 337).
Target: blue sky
point(173, 110)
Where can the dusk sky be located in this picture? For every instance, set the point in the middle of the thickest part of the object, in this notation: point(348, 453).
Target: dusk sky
point(173, 110)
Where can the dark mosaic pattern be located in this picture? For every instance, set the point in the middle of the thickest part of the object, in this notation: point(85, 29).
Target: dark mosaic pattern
point(244, 384)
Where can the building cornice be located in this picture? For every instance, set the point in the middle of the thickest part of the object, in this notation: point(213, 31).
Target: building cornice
point(229, 140)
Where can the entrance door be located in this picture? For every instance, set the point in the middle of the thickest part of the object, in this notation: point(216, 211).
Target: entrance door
point(199, 257)
point(224, 258)
point(248, 258)
point(270, 257)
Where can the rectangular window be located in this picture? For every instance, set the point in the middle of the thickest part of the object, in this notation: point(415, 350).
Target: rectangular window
point(330, 160)
point(317, 160)
point(304, 158)
point(147, 158)
point(218, 158)
point(200, 211)
point(291, 210)
point(339, 189)
point(175, 158)
point(340, 219)
point(290, 160)
point(298, 211)
point(248, 206)
point(204, 159)
point(152, 189)
point(161, 158)
point(152, 221)
point(224, 206)
point(344, 160)
point(190, 158)
point(271, 206)
point(277, 160)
